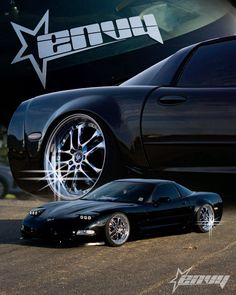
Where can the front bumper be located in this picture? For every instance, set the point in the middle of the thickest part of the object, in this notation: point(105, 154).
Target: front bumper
point(64, 229)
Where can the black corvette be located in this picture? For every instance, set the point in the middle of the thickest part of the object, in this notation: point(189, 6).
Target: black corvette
point(177, 116)
point(124, 207)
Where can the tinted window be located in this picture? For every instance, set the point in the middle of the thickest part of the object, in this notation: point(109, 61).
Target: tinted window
point(166, 190)
point(183, 190)
point(122, 191)
point(211, 66)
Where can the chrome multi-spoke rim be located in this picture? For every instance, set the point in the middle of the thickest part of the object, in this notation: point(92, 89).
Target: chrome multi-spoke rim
point(118, 229)
point(75, 157)
point(206, 218)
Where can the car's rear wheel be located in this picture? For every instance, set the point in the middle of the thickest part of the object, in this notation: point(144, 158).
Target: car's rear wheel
point(117, 229)
point(205, 218)
point(77, 157)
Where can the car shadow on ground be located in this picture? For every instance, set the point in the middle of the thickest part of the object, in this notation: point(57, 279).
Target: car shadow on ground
point(10, 234)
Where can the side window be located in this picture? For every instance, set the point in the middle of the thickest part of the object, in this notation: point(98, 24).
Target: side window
point(211, 66)
point(184, 192)
point(166, 190)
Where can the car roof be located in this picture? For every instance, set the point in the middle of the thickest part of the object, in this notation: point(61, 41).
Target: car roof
point(210, 41)
point(219, 39)
point(141, 180)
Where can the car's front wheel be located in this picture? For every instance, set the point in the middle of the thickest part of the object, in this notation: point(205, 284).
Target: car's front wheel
point(117, 229)
point(80, 155)
point(205, 218)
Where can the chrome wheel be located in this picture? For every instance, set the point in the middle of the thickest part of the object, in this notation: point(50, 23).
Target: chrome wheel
point(206, 218)
point(118, 229)
point(74, 157)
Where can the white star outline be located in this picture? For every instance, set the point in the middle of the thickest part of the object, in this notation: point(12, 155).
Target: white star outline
point(42, 73)
point(179, 274)
point(19, 57)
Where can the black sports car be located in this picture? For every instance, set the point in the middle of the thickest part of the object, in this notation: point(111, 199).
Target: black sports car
point(124, 207)
point(177, 116)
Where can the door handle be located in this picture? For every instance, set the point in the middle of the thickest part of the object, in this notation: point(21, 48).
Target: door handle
point(172, 99)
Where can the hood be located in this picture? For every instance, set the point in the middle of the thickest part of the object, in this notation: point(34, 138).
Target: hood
point(60, 209)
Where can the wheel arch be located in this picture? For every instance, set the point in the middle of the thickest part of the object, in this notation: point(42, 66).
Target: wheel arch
point(119, 109)
point(107, 110)
point(102, 220)
point(202, 201)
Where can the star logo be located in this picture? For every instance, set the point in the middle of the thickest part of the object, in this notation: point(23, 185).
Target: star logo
point(177, 278)
point(20, 30)
point(50, 46)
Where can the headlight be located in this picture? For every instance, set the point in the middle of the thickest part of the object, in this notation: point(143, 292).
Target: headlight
point(37, 211)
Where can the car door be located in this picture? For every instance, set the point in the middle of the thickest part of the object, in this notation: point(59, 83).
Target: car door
point(191, 126)
point(167, 207)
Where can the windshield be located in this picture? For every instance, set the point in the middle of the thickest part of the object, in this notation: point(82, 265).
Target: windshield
point(124, 192)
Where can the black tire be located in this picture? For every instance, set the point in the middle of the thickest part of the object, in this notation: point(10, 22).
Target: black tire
point(205, 218)
point(82, 172)
point(117, 233)
point(3, 189)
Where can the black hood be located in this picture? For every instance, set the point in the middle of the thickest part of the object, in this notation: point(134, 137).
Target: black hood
point(59, 209)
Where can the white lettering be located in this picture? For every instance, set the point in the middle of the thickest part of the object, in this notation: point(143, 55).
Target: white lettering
point(92, 35)
point(123, 29)
point(54, 44)
point(183, 279)
point(86, 36)
point(224, 281)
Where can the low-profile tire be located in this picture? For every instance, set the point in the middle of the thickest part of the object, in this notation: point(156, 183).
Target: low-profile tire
point(205, 218)
point(117, 229)
point(80, 155)
point(3, 189)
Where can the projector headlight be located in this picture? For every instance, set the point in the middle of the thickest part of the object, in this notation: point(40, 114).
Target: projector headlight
point(37, 211)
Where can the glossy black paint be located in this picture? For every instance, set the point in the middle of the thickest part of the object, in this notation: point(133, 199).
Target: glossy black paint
point(158, 126)
point(61, 220)
point(198, 131)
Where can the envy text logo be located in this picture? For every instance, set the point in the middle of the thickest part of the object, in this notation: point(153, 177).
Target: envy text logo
point(56, 45)
point(183, 278)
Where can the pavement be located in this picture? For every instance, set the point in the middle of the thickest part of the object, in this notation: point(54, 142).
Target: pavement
point(145, 266)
